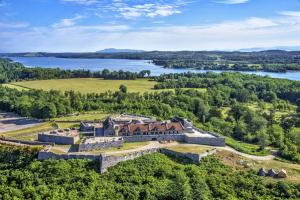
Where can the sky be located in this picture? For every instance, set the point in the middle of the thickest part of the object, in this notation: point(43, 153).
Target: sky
point(92, 25)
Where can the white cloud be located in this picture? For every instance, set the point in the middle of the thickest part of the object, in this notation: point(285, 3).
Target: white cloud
point(291, 13)
point(232, 1)
point(68, 22)
point(83, 2)
point(13, 25)
point(153, 9)
point(282, 30)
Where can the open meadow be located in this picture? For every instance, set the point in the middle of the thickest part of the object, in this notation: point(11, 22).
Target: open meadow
point(86, 85)
point(90, 85)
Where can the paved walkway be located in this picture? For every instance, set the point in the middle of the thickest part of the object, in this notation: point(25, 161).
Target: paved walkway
point(262, 158)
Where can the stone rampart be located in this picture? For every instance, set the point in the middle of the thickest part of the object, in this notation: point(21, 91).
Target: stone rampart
point(100, 145)
point(58, 139)
point(26, 142)
point(44, 155)
point(107, 161)
point(211, 141)
point(192, 156)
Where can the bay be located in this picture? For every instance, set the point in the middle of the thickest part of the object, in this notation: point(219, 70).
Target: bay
point(126, 65)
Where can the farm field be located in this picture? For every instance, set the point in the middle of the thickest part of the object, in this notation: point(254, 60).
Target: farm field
point(90, 85)
point(86, 85)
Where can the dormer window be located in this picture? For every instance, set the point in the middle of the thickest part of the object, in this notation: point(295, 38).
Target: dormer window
point(138, 131)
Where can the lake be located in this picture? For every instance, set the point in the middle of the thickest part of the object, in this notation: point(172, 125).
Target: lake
point(125, 65)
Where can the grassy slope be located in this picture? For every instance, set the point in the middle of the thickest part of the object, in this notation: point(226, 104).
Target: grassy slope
point(242, 163)
point(247, 148)
point(86, 85)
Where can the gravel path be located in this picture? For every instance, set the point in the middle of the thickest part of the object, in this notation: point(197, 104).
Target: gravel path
point(262, 158)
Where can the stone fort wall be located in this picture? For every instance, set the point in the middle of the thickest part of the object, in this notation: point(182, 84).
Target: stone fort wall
point(100, 145)
point(57, 139)
point(106, 161)
point(212, 141)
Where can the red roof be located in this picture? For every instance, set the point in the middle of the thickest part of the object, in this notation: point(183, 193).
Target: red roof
point(148, 127)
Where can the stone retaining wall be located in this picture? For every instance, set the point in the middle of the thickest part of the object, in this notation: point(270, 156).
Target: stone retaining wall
point(213, 141)
point(109, 161)
point(106, 161)
point(58, 139)
point(44, 155)
point(100, 145)
point(192, 156)
point(26, 142)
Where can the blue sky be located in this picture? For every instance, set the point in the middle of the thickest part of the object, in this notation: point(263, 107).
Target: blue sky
point(91, 25)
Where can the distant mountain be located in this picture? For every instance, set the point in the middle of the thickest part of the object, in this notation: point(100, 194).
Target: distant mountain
point(283, 48)
point(113, 50)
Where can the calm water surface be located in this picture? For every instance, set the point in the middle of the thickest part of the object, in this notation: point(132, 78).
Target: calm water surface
point(125, 65)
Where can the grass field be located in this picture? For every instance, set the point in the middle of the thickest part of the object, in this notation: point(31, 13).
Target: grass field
point(90, 85)
point(189, 149)
point(86, 85)
point(89, 116)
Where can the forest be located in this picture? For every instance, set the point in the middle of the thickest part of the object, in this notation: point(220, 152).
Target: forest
point(13, 71)
point(222, 108)
point(270, 60)
point(153, 176)
point(249, 108)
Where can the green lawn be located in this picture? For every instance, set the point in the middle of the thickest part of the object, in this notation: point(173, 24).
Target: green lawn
point(126, 146)
point(86, 85)
point(90, 85)
point(189, 149)
point(89, 116)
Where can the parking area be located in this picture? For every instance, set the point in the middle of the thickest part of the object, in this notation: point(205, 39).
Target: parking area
point(13, 122)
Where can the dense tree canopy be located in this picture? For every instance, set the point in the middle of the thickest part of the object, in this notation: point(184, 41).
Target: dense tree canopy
point(154, 176)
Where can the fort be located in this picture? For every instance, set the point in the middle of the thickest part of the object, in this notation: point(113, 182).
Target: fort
point(115, 130)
